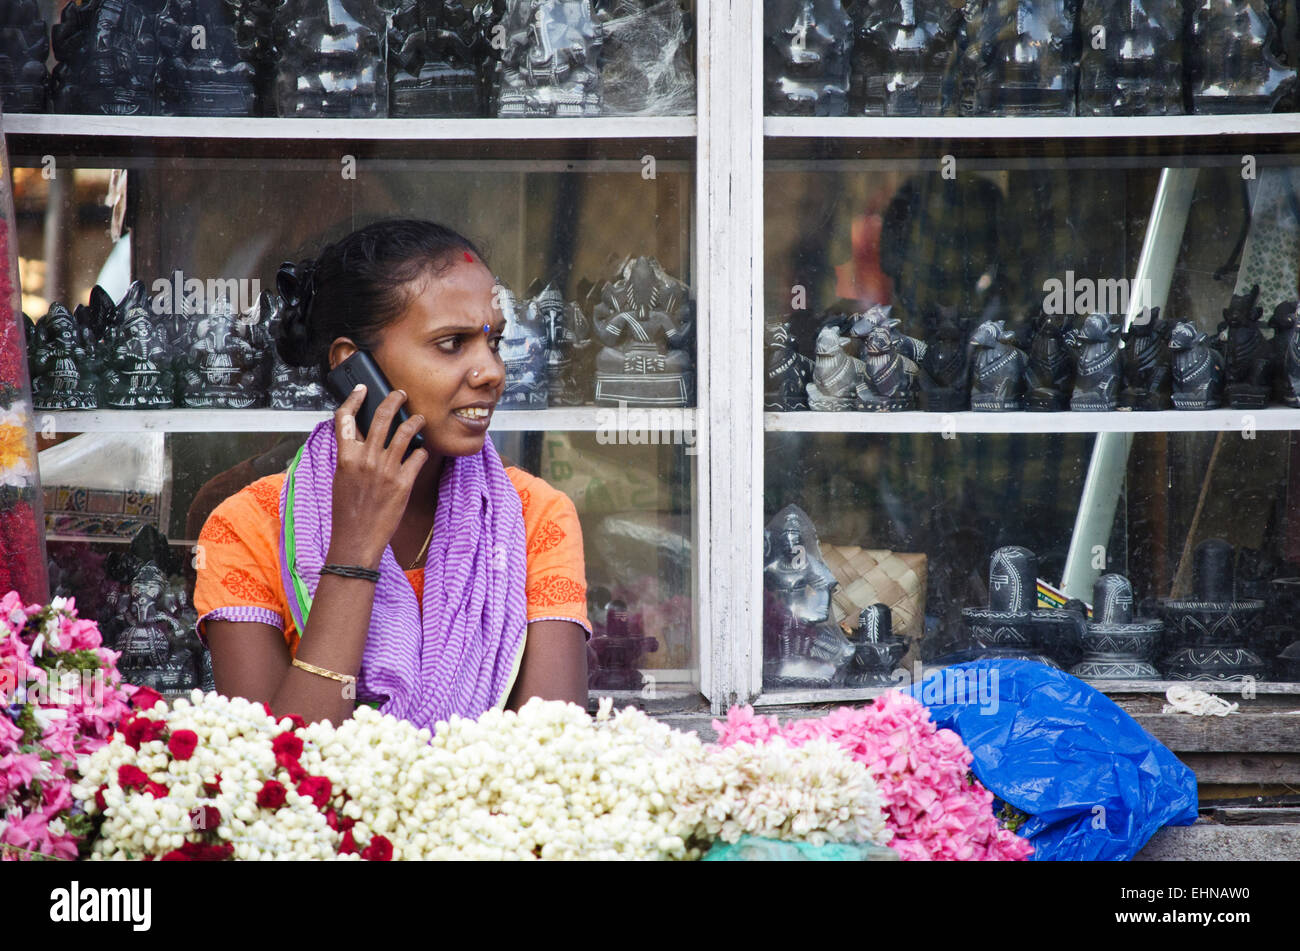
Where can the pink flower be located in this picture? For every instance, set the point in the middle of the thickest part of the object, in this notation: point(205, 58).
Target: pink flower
point(17, 770)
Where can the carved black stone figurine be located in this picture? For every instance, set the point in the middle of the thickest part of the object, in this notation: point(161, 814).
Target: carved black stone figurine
point(1231, 55)
point(618, 651)
point(998, 369)
point(1097, 370)
point(806, 60)
point(201, 69)
point(1012, 625)
point(644, 322)
point(889, 376)
point(551, 62)
point(788, 371)
point(568, 333)
point(439, 52)
point(288, 387)
point(1145, 358)
point(1117, 645)
point(945, 366)
point(1208, 633)
point(332, 60)
point(1283, 324)
point(803, 646)
point(902, 51)
point(836, 374)
point(156, 636)
point(1020, 59)
point(225, 362)
point(24, 47)
point(876, 649)
point(64, 361)
point(1133, 66)
point(138, 356)
point(107, 52)
point(1245, 352)
point(1198, 369)
point(1049, 374)
point(523, 349)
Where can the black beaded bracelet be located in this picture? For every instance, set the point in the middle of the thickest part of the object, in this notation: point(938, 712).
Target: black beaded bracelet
point(351, 571)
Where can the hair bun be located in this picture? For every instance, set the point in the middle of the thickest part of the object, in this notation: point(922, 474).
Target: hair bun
point(296, 286)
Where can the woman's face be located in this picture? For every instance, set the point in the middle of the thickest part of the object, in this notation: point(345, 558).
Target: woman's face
point(439, 353)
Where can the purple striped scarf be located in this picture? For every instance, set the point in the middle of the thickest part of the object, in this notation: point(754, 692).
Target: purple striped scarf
point(460, 657)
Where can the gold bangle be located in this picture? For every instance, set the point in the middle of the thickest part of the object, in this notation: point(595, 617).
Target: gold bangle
point(332, 675)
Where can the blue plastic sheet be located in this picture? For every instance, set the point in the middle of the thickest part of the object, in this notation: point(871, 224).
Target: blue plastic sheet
point(1095, 784)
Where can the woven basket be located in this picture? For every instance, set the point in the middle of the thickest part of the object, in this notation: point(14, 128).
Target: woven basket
point(869, 576)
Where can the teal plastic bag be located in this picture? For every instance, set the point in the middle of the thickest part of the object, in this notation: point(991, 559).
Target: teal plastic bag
point(753, 848)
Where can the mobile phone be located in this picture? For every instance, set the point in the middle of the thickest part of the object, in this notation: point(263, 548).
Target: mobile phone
point(362, 368)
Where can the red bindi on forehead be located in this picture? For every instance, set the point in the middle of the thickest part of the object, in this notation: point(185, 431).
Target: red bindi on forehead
point(469, 257)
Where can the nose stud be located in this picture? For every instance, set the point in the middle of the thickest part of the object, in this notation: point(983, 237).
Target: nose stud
point(475, 373)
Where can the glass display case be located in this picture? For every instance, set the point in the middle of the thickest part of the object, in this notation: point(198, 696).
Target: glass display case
point(951, 334)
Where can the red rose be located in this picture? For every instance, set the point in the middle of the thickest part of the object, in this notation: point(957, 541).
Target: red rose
point(131, 777)
point(140, 729)
point(291, 765)
point(157, 790)
point(213, 787)
point(182, 743)
point(287, 744)
point(348, 846)
point(175, 856)
point(99, 798)
point(379, 850)
point(316, 788)
point(206, 818)
point(267, 707)
point(271, 795)
point(338, 823)
point(200, 852)
point(144, 698)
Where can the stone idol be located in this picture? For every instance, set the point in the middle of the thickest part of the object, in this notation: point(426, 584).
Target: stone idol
point(644, 324)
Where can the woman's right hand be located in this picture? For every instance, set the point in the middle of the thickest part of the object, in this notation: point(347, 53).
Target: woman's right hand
point(371, 483)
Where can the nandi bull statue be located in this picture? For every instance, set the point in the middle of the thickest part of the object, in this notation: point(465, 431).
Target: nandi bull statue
point(998, 370)
point(1050, 373)
point(1245, 352)
point(1146, 362)
point(889, 359)
point(788, 371)
point(836, 375)
point(1286, 352)
point(1097, 370)
point(1198, 369)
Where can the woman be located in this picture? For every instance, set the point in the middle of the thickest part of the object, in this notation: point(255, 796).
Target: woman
point(443, 584)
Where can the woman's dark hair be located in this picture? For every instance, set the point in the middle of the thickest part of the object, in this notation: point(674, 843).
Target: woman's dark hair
point(358, 285)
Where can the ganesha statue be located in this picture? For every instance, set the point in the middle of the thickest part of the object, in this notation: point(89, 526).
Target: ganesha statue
point(902, 51)
point(644, 322)
point(550, 65)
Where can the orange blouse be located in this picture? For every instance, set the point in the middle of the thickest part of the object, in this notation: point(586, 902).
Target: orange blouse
point(239, 552)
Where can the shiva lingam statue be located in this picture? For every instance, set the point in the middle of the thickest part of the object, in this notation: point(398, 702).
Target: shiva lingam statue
point(138, 372)
point(551, 60)
point(788, 371)
point(890, 372)
point(157, 638)
point(836, 375)
point(567, 333)
point(523, 350)
point(1097, 370)
point(24, 47)
point(876, 649)
point(998, 369)
point(945, 366)
point(902, 50)
point(107, 52)
point(1283, 324)
point(1137, 70)
point(1020, 59)
point(1116, 645)
point(202, 78)
point(1198, 369)
point(289, 387)
point(1013, 626)
point(224, 368)
point(619, 650)
point(438, 55)
point(332, 62)
point(64, 362)
point(806, 57)
point(644, 322)
point(1245, 352)
point(1049, 374)
point(803, 646)
point(1147, 373)
point(1233, 66)
point(1207, 634)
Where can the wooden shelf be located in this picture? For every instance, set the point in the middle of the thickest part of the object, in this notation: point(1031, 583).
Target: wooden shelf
point(1120, 421)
